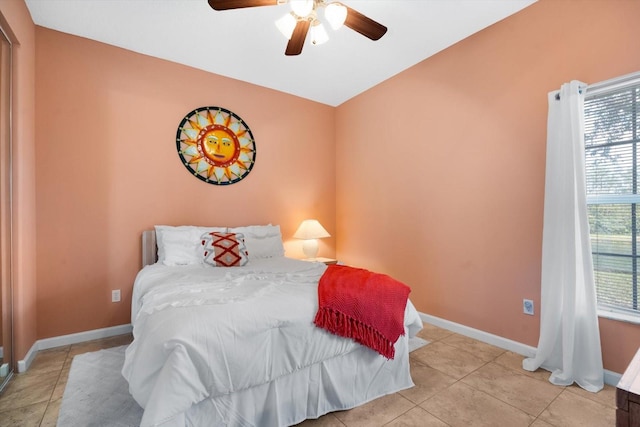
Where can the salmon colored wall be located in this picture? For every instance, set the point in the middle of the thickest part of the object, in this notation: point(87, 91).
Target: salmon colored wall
point(107, 169)
point(17, 20)
point(440, 170)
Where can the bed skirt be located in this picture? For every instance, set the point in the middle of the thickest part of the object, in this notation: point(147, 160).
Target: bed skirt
point(340, 383)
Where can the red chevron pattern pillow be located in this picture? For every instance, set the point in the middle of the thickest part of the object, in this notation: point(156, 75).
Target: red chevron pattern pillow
point(224, 249)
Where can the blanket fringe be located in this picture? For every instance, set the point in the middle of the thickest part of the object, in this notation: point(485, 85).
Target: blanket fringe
point(349, 327)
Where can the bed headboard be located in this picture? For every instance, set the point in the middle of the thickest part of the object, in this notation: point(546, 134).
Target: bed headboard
point(149, 248)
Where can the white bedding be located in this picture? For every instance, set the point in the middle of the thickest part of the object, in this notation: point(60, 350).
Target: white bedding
point(237, 346)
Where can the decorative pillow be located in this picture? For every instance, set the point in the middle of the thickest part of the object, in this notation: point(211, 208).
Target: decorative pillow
point(180, 245)
point(224, 249)
point(262, 241)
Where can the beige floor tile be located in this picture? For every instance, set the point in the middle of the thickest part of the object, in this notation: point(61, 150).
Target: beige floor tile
point(514, 361)
point(525, 393)
point(119, 340)
point(328, 420)
point(58, 391)
point(27, 389)
point(542, 423)
point(69, 361)
point(570, 409)
point(82, 348)
point(428, 381)
point(606, 396)
point(450, 360)
point(433, 333)
point(375, 413)
point(482, 350)
point(464, 406)
point(416, 417)
point(100, 344)
point(49, 360)
point(50, 418)
point(26, 416)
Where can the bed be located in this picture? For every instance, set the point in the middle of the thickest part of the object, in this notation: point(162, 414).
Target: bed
point(237, 346)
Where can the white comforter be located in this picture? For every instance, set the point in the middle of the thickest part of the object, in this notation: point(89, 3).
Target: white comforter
point(201, 332)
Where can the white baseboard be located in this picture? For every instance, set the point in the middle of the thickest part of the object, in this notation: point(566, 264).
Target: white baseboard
point(24, 364)
point(62, 340)
point(610, 377)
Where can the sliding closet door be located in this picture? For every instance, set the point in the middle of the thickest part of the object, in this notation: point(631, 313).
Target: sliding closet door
point(6, 339)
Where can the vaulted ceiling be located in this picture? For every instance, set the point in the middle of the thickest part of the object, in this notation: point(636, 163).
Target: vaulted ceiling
point(245, 44)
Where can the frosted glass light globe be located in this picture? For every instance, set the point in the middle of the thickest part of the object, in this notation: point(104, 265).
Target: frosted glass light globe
point(336, 14)
point(302, 8)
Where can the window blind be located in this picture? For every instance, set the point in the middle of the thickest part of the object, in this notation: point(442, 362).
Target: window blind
point(612, 132)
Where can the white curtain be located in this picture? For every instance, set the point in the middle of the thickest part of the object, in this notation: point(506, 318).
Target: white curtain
point(569, 344)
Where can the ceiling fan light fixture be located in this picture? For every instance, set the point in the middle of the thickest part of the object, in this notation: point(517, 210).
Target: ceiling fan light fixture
point(303, 20)
point(302, 8)
point(318, 33)
point(336, 14)
point(286, 25)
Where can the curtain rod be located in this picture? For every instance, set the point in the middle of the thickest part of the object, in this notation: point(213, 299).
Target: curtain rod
point(616, 83)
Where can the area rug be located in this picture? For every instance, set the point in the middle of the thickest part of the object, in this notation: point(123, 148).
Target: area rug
point(97, 395)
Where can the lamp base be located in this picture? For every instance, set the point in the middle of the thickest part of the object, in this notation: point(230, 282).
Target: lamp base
point(310, 248)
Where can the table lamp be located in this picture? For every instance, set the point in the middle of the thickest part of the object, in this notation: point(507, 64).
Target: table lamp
point(310, 231)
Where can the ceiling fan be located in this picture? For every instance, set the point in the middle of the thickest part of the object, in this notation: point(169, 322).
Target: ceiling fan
point(304, 19)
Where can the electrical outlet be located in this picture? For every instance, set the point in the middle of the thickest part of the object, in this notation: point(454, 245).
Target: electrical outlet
point(115, 295)
point(527, 306)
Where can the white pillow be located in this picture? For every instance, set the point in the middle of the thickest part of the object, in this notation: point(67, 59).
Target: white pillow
point(262, 241)
point(181, 245)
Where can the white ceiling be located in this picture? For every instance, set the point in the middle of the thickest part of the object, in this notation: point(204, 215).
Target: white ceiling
point(245, 44)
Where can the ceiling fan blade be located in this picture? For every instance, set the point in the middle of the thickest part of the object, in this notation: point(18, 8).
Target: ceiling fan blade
point(294, 47)
point(364, 25)
point(237, 4)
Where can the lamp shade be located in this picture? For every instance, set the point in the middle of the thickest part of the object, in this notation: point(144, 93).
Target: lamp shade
point(311, 229)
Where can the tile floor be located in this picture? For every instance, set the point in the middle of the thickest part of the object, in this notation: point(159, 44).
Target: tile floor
point(459, 382)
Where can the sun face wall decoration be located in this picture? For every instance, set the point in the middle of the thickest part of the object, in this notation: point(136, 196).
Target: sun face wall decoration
point(216, 145)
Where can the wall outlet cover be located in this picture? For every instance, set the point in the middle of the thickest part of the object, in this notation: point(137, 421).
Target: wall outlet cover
point(115, 295)
point(527, 307)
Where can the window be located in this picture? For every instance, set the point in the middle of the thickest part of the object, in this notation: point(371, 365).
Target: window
point(612, 133)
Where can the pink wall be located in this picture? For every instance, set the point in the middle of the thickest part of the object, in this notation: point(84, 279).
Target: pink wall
point(449, 161)
point(107, 168)
point(17, 20)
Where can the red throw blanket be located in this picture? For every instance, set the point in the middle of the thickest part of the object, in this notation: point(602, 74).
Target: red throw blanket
point(368, 307)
